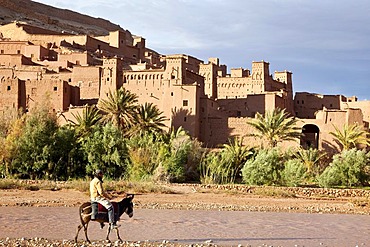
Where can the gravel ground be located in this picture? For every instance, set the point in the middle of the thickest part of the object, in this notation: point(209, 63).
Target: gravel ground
point(41, 242)
point(192, 198)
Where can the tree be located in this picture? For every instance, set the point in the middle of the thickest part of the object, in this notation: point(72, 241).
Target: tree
point(84, 123)
point(34, 147)
point(350, 136)
point(276, 126)
point(310, 158)
point(265, 168)
point(148, 119)
point(349, 168)
point(120, 108)
point(235, 155)
point(105, 148)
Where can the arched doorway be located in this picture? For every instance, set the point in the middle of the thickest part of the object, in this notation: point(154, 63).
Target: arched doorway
point(310, 136)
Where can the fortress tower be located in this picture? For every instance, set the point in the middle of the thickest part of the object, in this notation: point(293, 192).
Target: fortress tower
point(111, 76)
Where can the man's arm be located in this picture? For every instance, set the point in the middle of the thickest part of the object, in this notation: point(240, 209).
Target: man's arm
point(102, 192)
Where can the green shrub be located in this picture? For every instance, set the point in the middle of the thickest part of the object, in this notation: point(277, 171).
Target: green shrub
point(264, 168)
point(348, 168)
point(294, 172)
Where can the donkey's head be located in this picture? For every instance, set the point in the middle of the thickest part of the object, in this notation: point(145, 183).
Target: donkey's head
point(128, 205)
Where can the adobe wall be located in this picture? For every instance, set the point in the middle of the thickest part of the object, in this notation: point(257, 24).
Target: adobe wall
point(250, 105)
point(56, 93)
point(11, 60)
point(88, 79)
point(36, 52)
point(363, 105)
point(209, 72)
point(11, 94)
point(307, 104)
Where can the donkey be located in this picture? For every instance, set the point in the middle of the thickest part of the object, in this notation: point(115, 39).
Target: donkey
point(85, 211)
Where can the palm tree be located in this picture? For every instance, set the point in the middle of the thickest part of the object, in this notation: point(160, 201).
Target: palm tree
point(310, 158)
point(120, 108)
point(84, 123)
point(276, 126)
point(351, 136)
point(148, 119)
point(235, 155)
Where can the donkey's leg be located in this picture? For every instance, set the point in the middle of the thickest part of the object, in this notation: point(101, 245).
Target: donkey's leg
point(85, 229)
point(78, 230)
point(118, 236)
point(108, 232)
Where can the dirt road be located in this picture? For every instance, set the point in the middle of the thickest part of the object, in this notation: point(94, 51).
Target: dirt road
point(223, 228)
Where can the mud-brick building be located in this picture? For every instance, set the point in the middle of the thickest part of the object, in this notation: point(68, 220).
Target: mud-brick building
point(70, 71)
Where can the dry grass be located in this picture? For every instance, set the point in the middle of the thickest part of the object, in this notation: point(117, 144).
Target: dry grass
point(82, 185)
point(273, 192)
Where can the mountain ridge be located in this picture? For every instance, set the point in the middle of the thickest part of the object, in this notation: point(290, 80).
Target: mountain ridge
point(53, 18)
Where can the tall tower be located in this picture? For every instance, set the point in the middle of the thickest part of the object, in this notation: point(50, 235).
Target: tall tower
point(260, 75)
point(286, 78)
point(111, 76)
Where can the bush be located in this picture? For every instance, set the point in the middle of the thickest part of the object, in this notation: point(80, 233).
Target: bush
point(348, 168)
point(294, 172)
point(105, 149)
point(264, 168)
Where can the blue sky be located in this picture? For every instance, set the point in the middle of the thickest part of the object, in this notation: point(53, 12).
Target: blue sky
point(326, 44)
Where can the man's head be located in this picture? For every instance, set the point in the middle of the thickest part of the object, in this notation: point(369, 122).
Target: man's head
point(99, 173)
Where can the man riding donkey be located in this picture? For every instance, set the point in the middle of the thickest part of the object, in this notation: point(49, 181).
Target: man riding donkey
point(99, 195)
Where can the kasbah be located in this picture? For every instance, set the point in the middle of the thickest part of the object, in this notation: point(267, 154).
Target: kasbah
point(73, 71)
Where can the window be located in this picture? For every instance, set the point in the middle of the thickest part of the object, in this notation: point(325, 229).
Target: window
point(185, 103)
point(8, 88)
point(2, 51)
point(302, 102)
point(18, 51)
point(171, 93)
point(184, 119)
point(55, 88)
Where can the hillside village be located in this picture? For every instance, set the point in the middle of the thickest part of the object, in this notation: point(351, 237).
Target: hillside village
point(71, 71)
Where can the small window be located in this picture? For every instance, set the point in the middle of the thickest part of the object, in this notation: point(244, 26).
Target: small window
point(18, 51)
point(184, 119)
point(331, 105)
point(171, 93)
point(77, 62)
point(302, 102)
point(8, 88)
point(297, 102)
point(55, 88)
point(2, 51)
point(69, 80)
point(185, 103)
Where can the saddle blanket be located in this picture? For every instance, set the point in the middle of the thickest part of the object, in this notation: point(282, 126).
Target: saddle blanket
point(100, 212)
